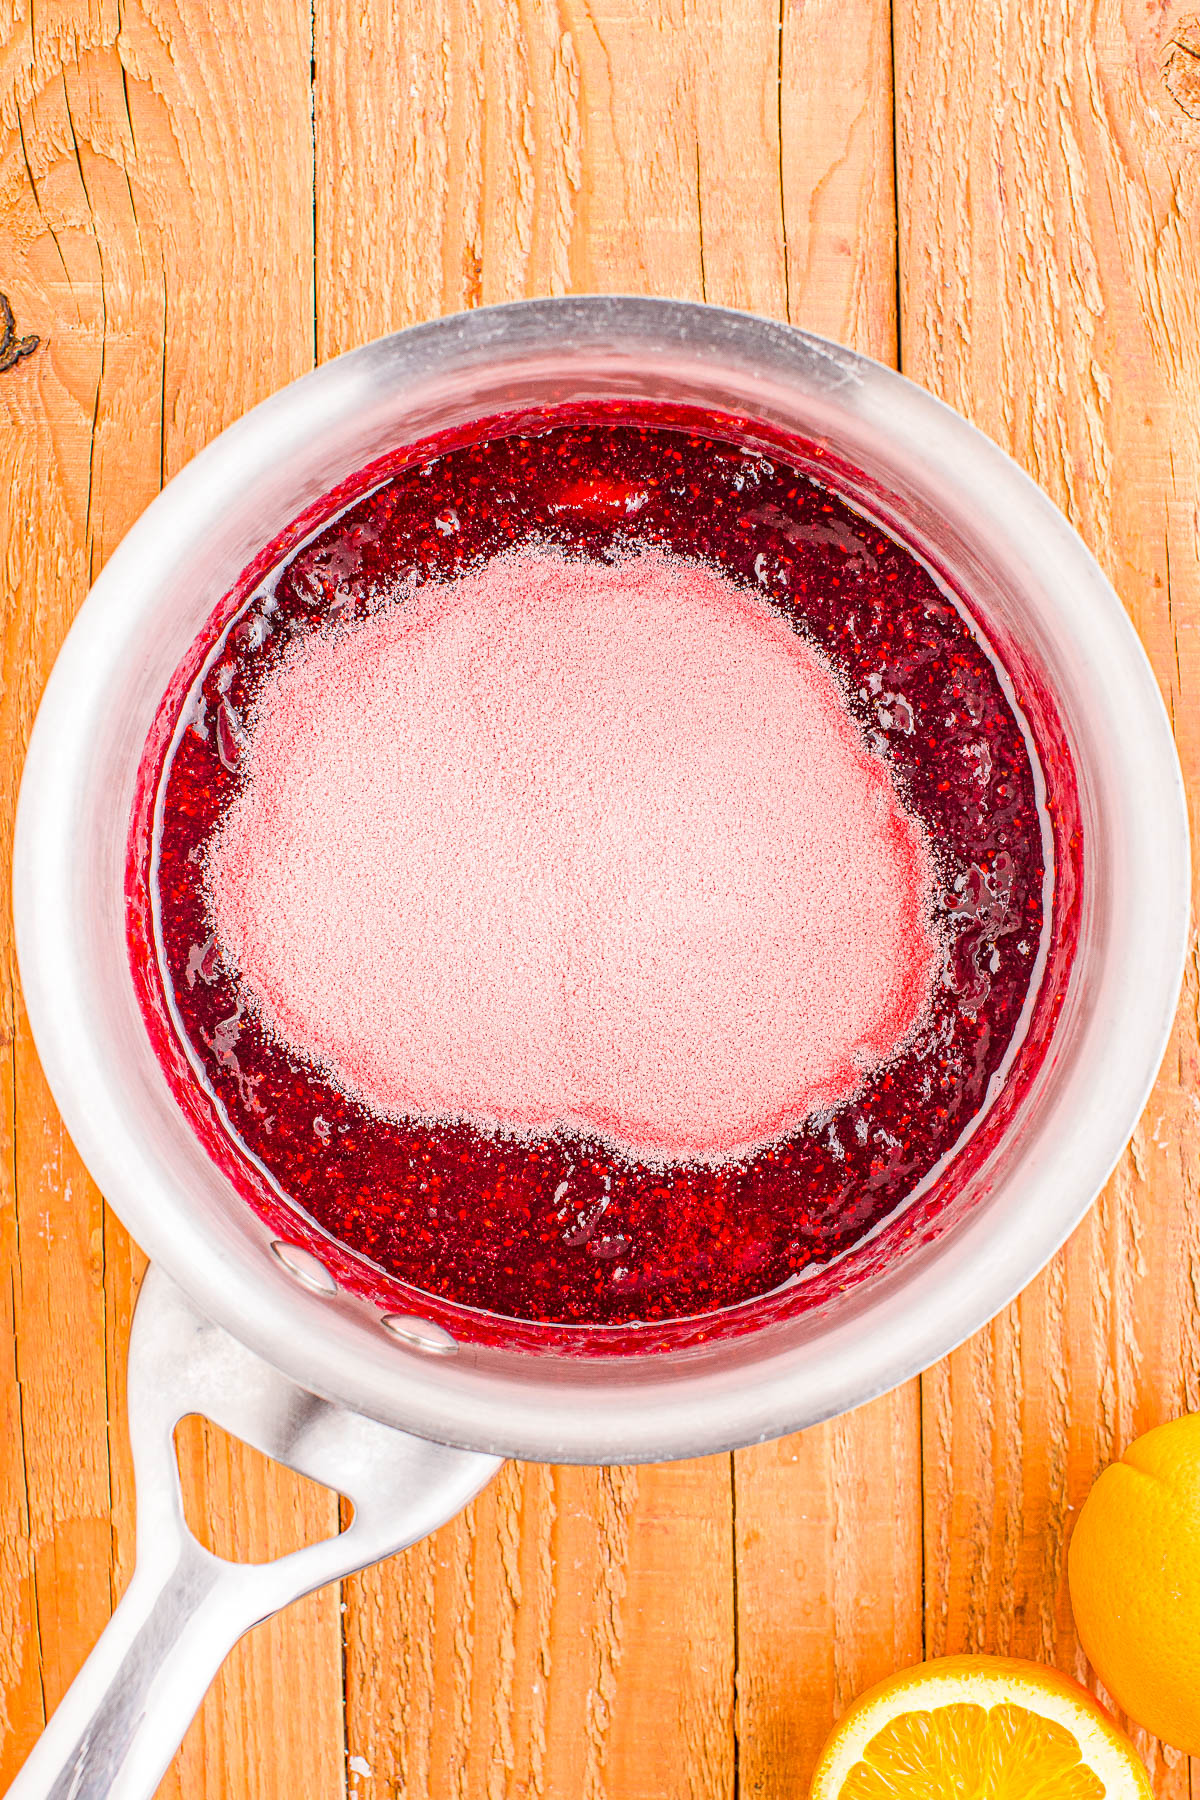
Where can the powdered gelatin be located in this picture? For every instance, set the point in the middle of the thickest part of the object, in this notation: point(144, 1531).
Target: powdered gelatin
point(568, 844)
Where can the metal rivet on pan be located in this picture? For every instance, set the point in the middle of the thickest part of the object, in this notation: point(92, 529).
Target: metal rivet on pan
point(305, 1268)
point(419, 1334)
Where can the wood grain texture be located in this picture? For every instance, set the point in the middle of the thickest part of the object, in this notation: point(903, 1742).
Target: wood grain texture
point(163, 245)
point(196, 200)
point(544, 1643)
point(575, 1633)
point(828, 1523)
point(1050, 274)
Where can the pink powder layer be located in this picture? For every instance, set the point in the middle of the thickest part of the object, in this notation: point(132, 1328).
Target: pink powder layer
point(563, 843)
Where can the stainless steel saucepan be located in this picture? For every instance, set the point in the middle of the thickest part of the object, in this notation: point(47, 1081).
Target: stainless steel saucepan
point(252, 1324)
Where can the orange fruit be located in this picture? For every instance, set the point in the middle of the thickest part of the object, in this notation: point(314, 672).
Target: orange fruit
point(1134, 1570)
point(978, 1728)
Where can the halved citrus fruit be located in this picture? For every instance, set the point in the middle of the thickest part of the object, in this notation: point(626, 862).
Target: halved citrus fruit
point(978, 1728)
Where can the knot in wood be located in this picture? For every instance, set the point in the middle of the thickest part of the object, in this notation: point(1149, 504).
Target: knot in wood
point(12, 347)
point(1181, 65)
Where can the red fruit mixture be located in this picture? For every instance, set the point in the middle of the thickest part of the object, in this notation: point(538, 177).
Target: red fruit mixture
point(598, 875)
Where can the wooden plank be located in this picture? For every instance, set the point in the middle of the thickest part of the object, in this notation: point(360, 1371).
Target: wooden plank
point(546, 1643)
point(161, 244)
point(1051, 286)
point(56, 1458)
point(836, 171)
point(575, 1632)
point(828, 1523)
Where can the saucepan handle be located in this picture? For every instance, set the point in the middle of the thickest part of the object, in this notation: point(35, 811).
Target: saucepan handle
point(124, 1715)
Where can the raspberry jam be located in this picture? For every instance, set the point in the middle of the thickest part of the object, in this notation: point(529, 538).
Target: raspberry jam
point(565, 1229)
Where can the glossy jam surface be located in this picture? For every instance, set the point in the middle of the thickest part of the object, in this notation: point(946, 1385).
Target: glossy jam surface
point(564, 1228)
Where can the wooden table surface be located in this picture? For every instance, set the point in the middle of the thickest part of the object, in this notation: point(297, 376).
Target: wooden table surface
point(199, 198)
